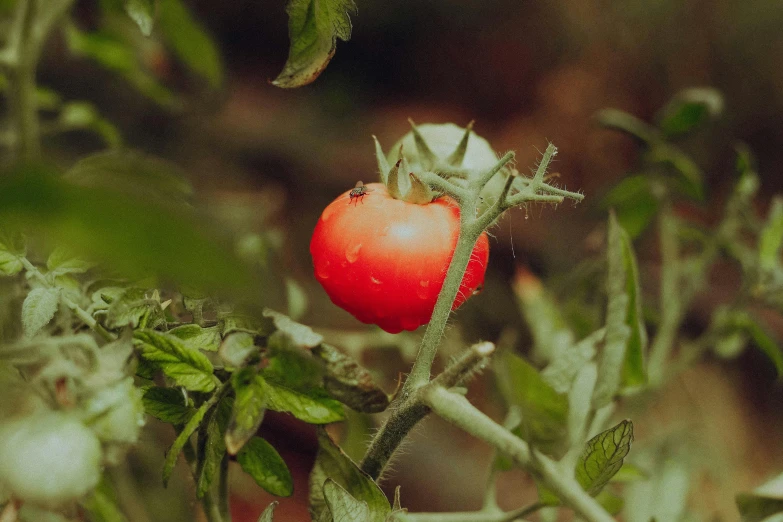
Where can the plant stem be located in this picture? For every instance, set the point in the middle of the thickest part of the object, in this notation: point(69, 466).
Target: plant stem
point(223, 496)
point(457, 410)
point(472, 516)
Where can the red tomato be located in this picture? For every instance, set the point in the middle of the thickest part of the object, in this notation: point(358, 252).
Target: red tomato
point(384, 260)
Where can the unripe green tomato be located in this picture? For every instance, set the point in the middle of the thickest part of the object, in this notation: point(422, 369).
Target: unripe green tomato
point(120, 412)
point(49, 458)
point(442, 139)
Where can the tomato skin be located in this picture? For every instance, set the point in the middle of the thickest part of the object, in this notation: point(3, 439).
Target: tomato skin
point(384, 260)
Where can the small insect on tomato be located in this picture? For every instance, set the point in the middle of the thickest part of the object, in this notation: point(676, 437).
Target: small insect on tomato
point(359, 191)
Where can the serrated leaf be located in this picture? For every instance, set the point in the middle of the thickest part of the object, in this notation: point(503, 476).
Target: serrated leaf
point(301, 335)
point(12, 249)
point(333, 463)
point(133, 308)
point(167, 404)
point(194, 336)
point(291, 365)
point(63, 261)
point(182, 438)
point(237, 348)
point(313, 29)
point(268, 514)
point(186, 366)
point(143, 13)
point(249, 407)
point(544, 412)
point(689, 109)
point(313, 406)
point(262, 462)
point(342, 506)
point(212, 447)
point(618, 332)
point(38, 308)
point(771, 237)
point(765, 501)
point(348, 382)
point(603, 457)
point(190, 41)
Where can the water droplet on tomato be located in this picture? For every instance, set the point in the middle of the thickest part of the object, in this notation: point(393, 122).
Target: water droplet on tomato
point(423, 290)
point(322, 270)
point(376, 284)
point(478, 289)
point(352, 252)
point(327, 213)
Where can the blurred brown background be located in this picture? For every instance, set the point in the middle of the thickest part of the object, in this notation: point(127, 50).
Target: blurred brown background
point(528, 72)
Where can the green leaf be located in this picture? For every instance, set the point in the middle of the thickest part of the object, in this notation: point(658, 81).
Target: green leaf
point(63, 261)
point(116, 53)
point(547, 326)
point(291, 365)
point(342, 505)
point(167, 404)
point(634, 373)
point(237, 348)
point(143, 13)
point(544, 411)
point(77, 115)
point(186, 366)
point(12, 249)
point(268, 513)
point(771, 237)
point(133, 308)
point(663, 497)
point(579, 398)
point(603, 457)
point(348, 382)
point(212, 448)
point(301, 335)
point(313, 28)
point(610, 502)
point(194, 336)
point(101, 507)
point(689, 109)
point(567, 363)
point(183, 438)
point(634, 203)
point(262, 462)
point(333, 463)
point(190, 41)
point(765, 501)
point(618, 332)
point(689, 179)
point(765, 342)
point(38, 308)
point(312, 406)
point(249, 407)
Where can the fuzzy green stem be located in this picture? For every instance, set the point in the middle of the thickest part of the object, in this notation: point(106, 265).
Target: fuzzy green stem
point(484, 179)
point(460, 412)
point(211, 508)
point(420, 373)
point(543, 165)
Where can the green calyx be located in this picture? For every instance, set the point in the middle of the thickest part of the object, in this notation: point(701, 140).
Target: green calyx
point(405, 181)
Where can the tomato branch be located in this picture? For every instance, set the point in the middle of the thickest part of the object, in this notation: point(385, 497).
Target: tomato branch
point(459, 411)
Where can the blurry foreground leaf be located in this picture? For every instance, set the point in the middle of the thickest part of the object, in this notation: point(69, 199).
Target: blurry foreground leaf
point(771, 237)
point(12, 248)
point(662, 497)
point(135, 236)
point(333, 463)
point(211, 446)
point(689, 109)
point(101, 507)
point(249, 407)
point(313, 28)
point(194, 336)
point(262, 462)
point(634, 203)
point(763, 502)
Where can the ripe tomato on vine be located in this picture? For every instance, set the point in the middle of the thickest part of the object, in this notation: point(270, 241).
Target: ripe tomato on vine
point(385, 261)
